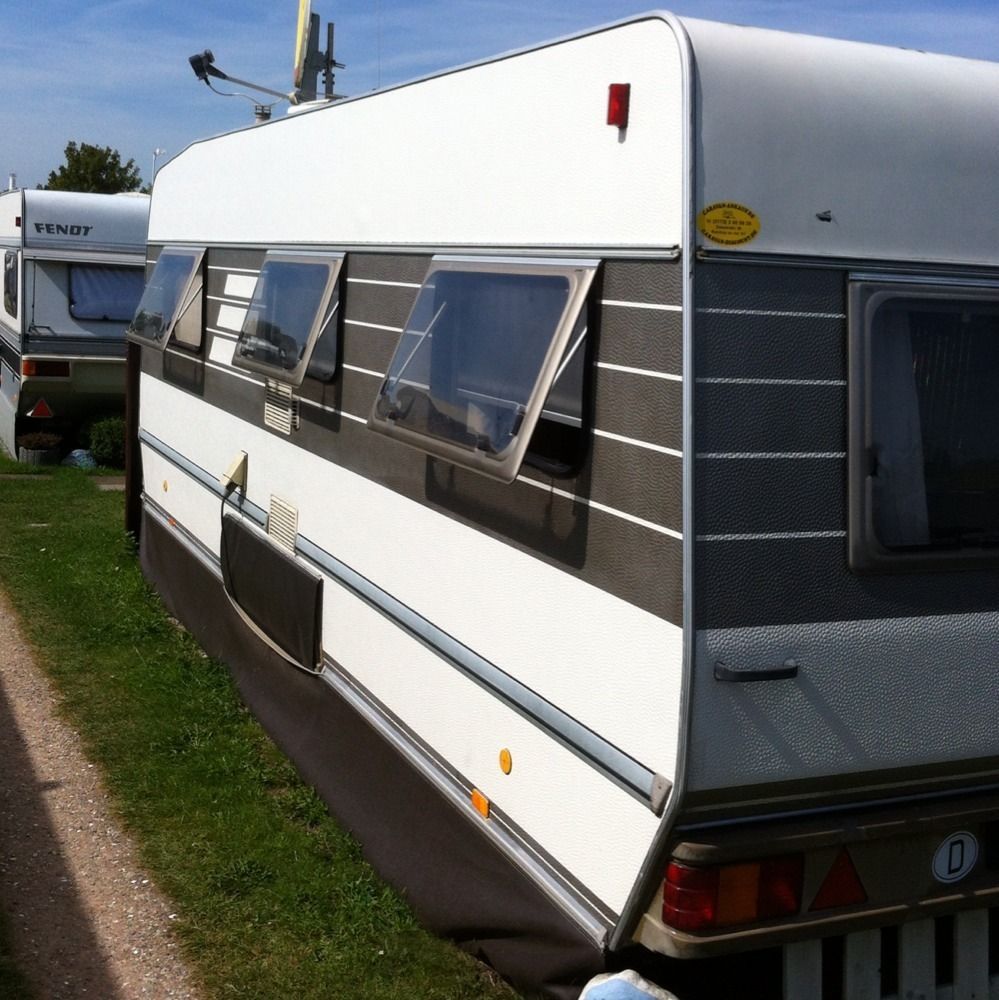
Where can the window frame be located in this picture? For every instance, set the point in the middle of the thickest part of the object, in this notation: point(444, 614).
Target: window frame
point(328, 312)
point(865, 296)
point(506, 464)
point(192, 291)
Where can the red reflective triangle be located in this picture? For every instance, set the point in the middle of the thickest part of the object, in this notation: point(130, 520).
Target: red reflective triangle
point(842, 885)
point(40, 409)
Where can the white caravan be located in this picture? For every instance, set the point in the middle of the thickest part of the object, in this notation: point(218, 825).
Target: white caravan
point(72, 277)
point(609, 495)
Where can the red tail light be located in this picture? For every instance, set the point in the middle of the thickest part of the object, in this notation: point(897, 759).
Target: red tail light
point(701, 898)
point(45, 369)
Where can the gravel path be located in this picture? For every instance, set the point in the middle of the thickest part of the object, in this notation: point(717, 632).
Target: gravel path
point(84, 920)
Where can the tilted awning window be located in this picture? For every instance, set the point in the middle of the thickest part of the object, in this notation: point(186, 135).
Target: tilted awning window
point(479, 354)
point(172, 289)
point(294, 302)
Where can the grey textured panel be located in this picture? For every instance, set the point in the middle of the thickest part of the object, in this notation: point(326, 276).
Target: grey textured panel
point(791, 347)
point(765, 496)
point(387, 305)
point(649, 339)
point(224, 257)
point(367, 348)
point(637, 406)
point(653, 281)
point(770, 418)
point(388, 267)
point(765, 287)
point(914, 694)
point(781, 581)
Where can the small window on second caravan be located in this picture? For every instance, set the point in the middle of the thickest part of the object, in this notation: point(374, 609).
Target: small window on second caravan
point(170, 304)
point(10, 283)
point(484, 343)
point(924, 454)
point(294, 302)
point(104, 292)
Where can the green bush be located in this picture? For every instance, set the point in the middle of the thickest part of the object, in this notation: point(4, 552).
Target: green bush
point(107, 441)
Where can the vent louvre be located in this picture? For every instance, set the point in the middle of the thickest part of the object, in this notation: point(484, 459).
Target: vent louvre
point(280, 407)
point(282, 523)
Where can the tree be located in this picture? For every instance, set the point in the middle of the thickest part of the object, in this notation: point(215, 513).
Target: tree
point(94, 168)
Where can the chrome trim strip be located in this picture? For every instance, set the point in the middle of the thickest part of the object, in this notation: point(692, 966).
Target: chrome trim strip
point(626, 772)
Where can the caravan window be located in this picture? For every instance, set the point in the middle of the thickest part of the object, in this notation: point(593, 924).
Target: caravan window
point(480, 353)
point(924, 455)
point(294, 302)
point(10, 283)
point(100, 291)
point(171, 302)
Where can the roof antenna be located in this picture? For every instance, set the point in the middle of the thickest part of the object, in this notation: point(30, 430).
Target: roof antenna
point(203, 65)
point(309, 61)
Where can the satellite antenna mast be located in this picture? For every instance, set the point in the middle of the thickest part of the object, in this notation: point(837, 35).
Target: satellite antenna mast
point(309, 61)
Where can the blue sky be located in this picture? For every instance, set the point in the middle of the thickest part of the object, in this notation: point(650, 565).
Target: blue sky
point(116, 72)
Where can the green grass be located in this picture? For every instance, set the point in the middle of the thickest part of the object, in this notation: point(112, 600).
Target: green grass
point(273, 899)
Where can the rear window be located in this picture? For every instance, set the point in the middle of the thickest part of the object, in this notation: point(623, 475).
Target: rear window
point(924, 455)
point(104, 292)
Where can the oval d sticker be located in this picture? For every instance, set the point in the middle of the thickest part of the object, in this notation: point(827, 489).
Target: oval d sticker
point(955, 857)
point(728, 223)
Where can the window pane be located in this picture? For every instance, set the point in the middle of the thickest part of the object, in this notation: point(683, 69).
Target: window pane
point(10, 282)
point(471, 356)
point(98, 291)
point(163, 296)
point(934, 408)
point(285, 315)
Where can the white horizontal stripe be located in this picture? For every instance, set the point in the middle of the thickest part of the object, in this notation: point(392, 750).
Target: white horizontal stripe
point(234, 270)
point(237, 303)
point(772, 537)
point(231, 317)
point(222, 351)
point(639, 444)
point(373, 326)
point(772, 312)
point(331, 409)
point(548, 488)
point(772, 454)
point(241, 285)
point(659, 307)
point(772, 381)
point(391, 284)
point(233, 372)
point(639, 371)
point(363, 371)
point(224, 334)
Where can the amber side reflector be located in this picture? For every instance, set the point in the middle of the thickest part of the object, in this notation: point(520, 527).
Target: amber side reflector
point(480, 802)
point(702, 898)
point(45, 369)
point(841, 886)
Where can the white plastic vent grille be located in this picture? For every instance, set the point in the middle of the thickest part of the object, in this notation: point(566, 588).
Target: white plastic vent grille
point(280, 407)
point(282, 523)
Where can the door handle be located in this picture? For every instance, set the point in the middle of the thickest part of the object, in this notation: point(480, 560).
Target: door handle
point(745, 675)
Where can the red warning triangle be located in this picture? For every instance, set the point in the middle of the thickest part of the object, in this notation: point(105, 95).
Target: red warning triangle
point(842, 885)
point(40, 409)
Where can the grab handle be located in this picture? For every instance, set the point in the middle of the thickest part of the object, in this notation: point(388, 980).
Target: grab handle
point(744, 675)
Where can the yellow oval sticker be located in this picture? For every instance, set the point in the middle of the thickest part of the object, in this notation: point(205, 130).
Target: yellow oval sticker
point(728, 223)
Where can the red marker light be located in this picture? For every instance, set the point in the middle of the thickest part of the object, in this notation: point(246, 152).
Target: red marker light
point(40, 409)
point(841, 887)
point(618, 99)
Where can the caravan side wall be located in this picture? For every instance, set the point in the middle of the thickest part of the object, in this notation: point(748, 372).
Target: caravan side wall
point(461, 616)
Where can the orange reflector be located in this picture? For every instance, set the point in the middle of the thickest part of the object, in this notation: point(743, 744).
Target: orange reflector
point(738, 894)
point(40, 409)
point(506, 761)
point(44, 369)
point(842, 885)
point(481, 803)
